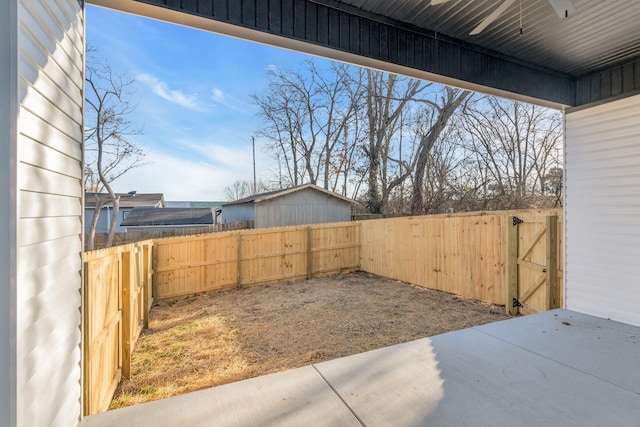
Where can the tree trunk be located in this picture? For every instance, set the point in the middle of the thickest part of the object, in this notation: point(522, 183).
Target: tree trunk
point(453, 101)
point(94, 223)
point(114, 220)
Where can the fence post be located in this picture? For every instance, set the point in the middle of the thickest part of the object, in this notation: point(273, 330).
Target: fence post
point(154, 268)
point(125, 281)
point(87, 307)
point(512, 265)
point(239, 260)
point(309, 255)
point(552, 260)
point(146, 278)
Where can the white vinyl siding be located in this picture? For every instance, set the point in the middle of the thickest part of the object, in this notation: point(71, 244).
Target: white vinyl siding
point(49, 212)
point(603, 210)
point(8, 207)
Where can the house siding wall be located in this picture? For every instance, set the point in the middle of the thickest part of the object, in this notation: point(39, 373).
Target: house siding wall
point(302, 207)
point(236, 213)
point(8, 120)
point(50, 61)
point(603, 210)
point(103, 221)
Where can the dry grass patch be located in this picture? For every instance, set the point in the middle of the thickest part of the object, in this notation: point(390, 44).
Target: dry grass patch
point(228, 336)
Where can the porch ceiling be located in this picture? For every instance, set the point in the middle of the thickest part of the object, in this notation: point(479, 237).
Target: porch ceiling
point(597, 35)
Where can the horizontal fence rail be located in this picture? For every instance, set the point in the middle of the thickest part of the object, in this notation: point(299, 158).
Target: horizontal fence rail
point(464, 254)
point(184, 266)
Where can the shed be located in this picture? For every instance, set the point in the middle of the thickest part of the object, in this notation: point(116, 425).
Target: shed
point(304, 204)
point(128, 201)
point(152, 219)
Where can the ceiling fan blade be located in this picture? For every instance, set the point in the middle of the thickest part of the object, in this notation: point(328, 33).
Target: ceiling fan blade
point(564, 8)
point(437, 2)
point(494, 15)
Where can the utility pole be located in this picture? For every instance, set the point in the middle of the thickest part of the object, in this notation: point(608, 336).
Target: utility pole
point(253, 143)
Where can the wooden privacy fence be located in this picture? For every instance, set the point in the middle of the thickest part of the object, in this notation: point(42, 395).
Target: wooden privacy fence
point(185, 266)
point(117, 300)
point(485, 257)
point(462, 254)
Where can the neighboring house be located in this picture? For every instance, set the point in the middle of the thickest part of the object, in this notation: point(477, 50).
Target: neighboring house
point(128, 201)
point(151, 219)
point(215, 207)
point(190, 204)
point(304, 204)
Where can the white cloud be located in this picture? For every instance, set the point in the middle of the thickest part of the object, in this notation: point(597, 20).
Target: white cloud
point(184, 179)
point(219, 97)
point(273, 68)
point(162, 89)
point(225, 156)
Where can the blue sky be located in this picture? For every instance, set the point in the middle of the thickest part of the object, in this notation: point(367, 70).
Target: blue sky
point(193, 91)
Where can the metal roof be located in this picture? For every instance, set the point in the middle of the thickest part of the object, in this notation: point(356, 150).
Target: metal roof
point(192, 204)
point(600, 33)
point(257, 198)
point(126, 199)
point(139, 217)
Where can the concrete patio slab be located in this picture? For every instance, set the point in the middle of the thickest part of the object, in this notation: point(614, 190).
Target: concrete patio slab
point(604, 348)
point(299, 397)
point(529, 371)
point(467, 378)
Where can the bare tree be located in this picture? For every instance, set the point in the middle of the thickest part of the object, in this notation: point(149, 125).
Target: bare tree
point(514, 143)
point(388, 96)
point(109, 153)
point(306, 116)
point(437, 115)
point(240, 189)
point(343, 128)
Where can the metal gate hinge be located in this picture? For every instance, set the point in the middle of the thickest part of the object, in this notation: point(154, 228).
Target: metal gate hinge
point(517, 221)
point(516, 303)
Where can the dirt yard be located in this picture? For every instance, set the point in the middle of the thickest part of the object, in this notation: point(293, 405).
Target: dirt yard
point(218, 338)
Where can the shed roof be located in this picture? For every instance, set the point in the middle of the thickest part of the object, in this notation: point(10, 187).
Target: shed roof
point(126, 199)
point(261, 197)
point(140, 217)
point(193, 204)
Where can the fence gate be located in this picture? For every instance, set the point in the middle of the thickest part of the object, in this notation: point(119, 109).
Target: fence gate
point(532, 259)
point(102, 332)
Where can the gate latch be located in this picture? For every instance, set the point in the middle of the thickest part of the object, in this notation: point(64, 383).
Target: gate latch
point(517, 221)
point(516, 303)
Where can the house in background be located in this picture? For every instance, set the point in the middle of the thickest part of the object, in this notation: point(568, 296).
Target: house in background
point(128, 201)
point(165, 219)
point(304, 204)
point(192, 204)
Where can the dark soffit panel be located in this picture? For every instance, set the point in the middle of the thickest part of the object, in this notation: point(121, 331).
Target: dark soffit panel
point(598, 34)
